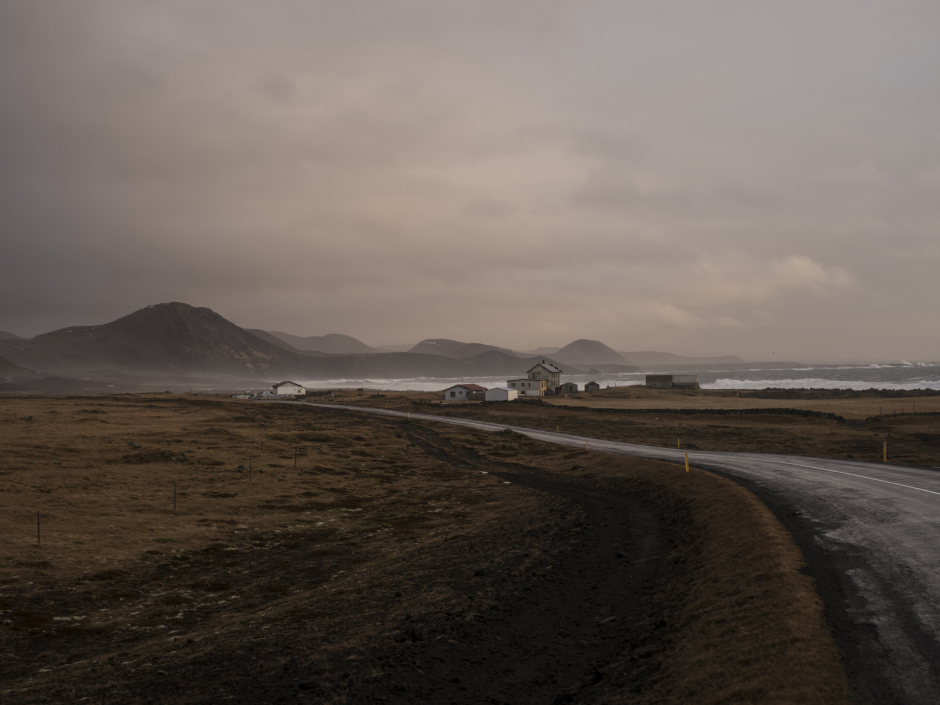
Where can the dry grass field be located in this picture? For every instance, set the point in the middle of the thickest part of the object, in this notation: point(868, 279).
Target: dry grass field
point(706, 420)
point(856, 406)
point(395, 562)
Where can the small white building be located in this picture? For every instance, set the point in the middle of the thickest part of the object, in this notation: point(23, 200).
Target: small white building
point(288, 389)
point(464, 392)
point(529, 387)
point(501, 394)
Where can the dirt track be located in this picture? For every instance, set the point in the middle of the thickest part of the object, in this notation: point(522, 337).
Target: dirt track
point(551, 640)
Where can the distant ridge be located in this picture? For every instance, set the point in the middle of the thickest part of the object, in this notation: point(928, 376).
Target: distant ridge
point(9, 369)
point(4, 335)
point(333, 343)
point(649, 358)
point(542, 351)
point(273, 339)
point(456, 349)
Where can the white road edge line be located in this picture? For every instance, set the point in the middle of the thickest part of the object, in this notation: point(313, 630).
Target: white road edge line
point(864, 477)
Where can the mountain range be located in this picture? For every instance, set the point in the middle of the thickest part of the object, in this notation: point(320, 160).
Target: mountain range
point(176, 339)
point(179, 340)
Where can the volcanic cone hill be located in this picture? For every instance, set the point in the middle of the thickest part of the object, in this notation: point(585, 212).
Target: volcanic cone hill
point(590, 352)
point(172, 338)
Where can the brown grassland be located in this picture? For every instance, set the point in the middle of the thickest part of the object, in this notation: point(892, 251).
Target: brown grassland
point(395, 562)
point(909, 424)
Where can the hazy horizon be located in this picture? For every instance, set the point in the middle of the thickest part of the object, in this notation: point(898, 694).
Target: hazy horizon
point(702, 178)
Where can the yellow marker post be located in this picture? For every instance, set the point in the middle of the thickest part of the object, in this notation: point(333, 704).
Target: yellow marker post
point(586, 446)
point(557, 429)
point(678, 443)
point(686, 462)
point(884, 452)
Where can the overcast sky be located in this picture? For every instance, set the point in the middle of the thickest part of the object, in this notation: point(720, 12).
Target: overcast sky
point(702, 177)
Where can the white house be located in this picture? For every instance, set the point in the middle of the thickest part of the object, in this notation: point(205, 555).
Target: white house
point(501, 394)
point(529, 387)
point(288, 389)
point(548, 372)
point(464, 392)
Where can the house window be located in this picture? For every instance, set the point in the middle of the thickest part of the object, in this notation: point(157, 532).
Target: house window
point(453, 394)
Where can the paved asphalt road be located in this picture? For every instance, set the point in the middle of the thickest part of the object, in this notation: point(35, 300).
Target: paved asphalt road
point(870, 533)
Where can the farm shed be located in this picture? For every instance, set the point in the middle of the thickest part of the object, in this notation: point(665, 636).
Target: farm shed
point(672, 381)
point(465, 392)
point(288, 389)
point(501, 394)
point(568, 388)
point(592, 387)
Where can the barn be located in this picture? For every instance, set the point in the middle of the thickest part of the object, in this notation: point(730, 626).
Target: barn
point(568, 388)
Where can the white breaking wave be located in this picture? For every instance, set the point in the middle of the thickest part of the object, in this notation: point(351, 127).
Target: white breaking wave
point(817, 383)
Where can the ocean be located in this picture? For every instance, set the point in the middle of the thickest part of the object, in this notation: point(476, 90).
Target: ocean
point(894, 376)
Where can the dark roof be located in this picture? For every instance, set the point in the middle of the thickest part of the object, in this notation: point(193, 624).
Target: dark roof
point(547, 365)
point(281, 384)
point(471, 387)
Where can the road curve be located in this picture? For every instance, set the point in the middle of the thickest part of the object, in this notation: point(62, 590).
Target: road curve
point(871, 535)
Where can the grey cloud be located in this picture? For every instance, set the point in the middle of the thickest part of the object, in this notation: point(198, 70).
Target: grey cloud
point(713, 178)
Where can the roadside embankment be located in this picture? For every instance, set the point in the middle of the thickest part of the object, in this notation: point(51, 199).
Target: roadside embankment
point(731, 617)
